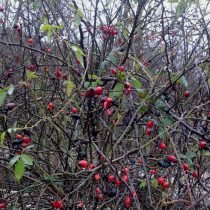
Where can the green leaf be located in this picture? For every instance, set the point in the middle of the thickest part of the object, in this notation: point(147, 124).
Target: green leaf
point(14, 160)
point(69, 86)
point(27, 159)
point(10, 89)
point(154, 182)
point(143, 93)
point(136, 83)
point(161, 132)
point(3, 95)
point(172, 1)
point(77, 19)
point(183, 81)
point(78, 53)
point(117, 91)
point(159, 104)
point(19, 169)
point(167, 121)
point(71, 7)
point(142, 184)
point(182, 156)
point(2, 137)
point(31, 75)
point(191, 155)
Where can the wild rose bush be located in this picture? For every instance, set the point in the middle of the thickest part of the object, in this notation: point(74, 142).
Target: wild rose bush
point(104, 105)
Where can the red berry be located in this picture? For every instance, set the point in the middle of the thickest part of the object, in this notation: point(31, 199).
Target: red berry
point(117, 182)
point(127, 91)
point(128, 201)
point(161, 180)
point(26, 140)
point(74, 110)
point(30, 41)
point(18, 136)
point(195, 174)
point(114, 71)
point(125, 178)
point(148, 131)
point(98, 190)
point(3, 205)
point(150, 124)
point(1, 8)
point(127, 85)
point(202, 144)
point(111, 178)
point(97, 177)
point(121, 68)
point(125, 170)
point(109, 111)
point(165, 184)
point(99, 196)
point(185, 167)
point(99, 90)
point(58, 73)
point(153, 171)
point(92, 166)
point(186, 93)
point(83, 164)
point(162, 145)
point(90, 92)
point(107, 103)
point(50, 107)
point(172, 158)
point(57, 204)
point(24, 145)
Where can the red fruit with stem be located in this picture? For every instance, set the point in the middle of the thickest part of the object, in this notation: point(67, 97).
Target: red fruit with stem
point(148, 132)
point(111, 178)
point(83, 164)
point(166, 185)
point(202, 144)
point(128, 201)
point(127, 91)
point(114, 71)
point(195, 174)
point(121, 68)
point(150, 124)
point(74, 110)
point(172, 158)
point(57, 204)
point(186, 93)
point(97, 177)
point(90, 92)
point(117, 182)
point(160, 180)
point(162, 145)
point(185, 167)
point(99, 90)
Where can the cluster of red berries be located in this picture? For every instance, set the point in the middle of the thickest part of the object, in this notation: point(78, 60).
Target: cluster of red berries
point(109, 30)
point(59, 74)
point(120, 69)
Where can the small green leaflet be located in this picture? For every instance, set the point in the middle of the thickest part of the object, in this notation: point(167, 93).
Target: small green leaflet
point(167, 121)
point(142, 184)
point(10, 89)
point(19, 169)
point(159, 104)
point(3, 93)
point(154, 182)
